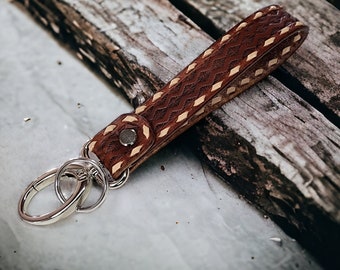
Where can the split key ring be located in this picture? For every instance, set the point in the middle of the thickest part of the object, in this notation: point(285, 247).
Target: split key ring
point(85, 171)
point(241, 57)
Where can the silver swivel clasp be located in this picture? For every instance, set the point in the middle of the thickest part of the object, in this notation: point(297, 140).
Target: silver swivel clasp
point(83, 172)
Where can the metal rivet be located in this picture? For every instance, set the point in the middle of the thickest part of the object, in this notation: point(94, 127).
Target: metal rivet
point(127, 137)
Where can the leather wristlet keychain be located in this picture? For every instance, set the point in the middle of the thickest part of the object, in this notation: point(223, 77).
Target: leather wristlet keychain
point(239, 59)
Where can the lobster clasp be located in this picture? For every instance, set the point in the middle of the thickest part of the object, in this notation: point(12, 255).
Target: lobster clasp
point(84, 171)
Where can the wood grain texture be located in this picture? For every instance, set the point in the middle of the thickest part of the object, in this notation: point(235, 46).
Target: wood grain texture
point(253, 168)
point(139, 46)
point(136, 45)
point(335, 3)
point(285, 162)
point(237, 60)
point(316, 65)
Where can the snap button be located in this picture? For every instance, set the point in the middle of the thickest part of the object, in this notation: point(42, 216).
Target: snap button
point(127, 137)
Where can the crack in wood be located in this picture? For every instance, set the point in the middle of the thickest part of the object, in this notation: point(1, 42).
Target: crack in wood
point(268, 116)
point(214, 26)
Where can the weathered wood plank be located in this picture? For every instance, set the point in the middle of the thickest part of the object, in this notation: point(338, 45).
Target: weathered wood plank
point(316, 64)
point(336, 3)
point(244, 172)
point(307, 62)
point(139, 45)
point(284, 161)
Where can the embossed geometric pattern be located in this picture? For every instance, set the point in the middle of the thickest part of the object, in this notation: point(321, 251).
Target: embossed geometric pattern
point(239, 59)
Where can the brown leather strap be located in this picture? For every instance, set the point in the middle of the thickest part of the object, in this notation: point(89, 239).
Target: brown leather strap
point(236, 61)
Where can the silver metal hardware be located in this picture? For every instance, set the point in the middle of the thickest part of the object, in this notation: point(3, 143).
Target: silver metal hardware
point(127, 137)
point(71, 205)
point(118, 183)
point(85, 170)
point(113, 183)
point(82, 168)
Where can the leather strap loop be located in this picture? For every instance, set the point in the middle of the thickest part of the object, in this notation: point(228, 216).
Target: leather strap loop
point(115, 154)
point(240, 58)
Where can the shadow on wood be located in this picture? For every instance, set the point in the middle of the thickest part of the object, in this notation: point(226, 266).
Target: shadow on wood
point(277, 150)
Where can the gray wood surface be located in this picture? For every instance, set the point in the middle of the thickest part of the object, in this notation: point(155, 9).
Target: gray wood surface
point(294, 150)
point(257, 158)
point(137, 45)
point(316, 65)
point(173, 213)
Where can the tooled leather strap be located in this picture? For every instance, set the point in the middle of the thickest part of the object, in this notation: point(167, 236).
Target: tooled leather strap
point(236, 61)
